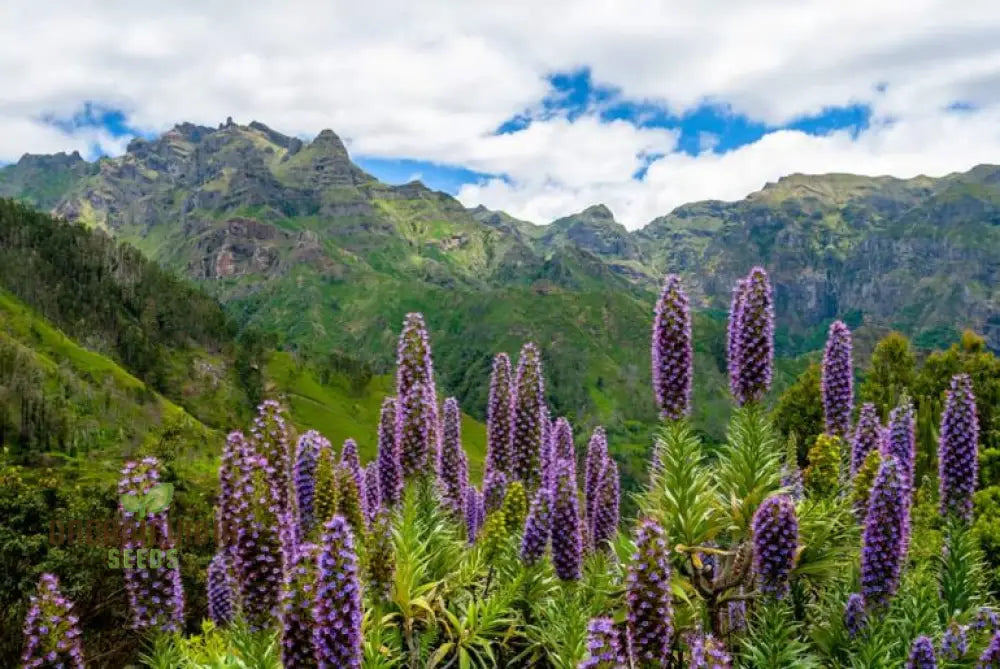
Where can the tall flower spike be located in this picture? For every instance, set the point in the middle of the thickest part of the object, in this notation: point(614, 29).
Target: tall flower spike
point(955, 642)
point(297, 611)
point(597, 452)
point(567, 541)
point(515, 508)
point(958, 450)
point(884, 541)
point(500, 416)
point(990, 659)
point(373, 495)
point(415, 367)
point(234, 450)
point(537, 527)
point(349, 498)
point(854, 614)
point(756, 338)
point(494, 490)
point(381, 561)
point(547, 457)
point(350, 460)
point(155, 594)
point(390, 467)
point(325, 498)
point(414, 416)
point(605, 525)
point(602, 645)
point(672, 352)
point(271, 437)
point(867, 436)
point(733, 335)
point(707, 652)
point(562, 440)
point(473, 514)
point(922, 654)
point(51, 629)
point(864, 478)
point(775, 541)
point(220, 589)
point(259, 554)
point(306, 456)
point(528, 416)
point(453, 475)
point(337, 631)
point(647, 597)
point(838, 381)
point(901, 442)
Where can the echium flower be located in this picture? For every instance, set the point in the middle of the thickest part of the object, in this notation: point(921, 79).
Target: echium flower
point(567, 540)
point(756, 338)
point(258, 556)
point(453, 474)
point(823, 474)
point(380, 566)
point(349, 498)
point(414, 366)
point(373, 494)
point(864, 478)
point(733, 334)
point(854, 615)
point(602, 645)
point(337, 631)
point(775, 541)
point(986, 619)
point(351, 461)
point(298, 594)
point(220, 589)
point(605, 511)
point(922, 654)
point(647, 597)
point(547, 457)
point(155, 594)
point(958, 450)
point(414, 415)
point(473, 509)
point(597, 452)
point(390, 467)
point(707, 652)
point(515, 508)
point(51, 630)
point(883, 541)
point(990, 659)
point(671, 351)
point(271, 437)
point(537, 527)
point(867, 436)
point(955, 642)
point(325, 497)
point(901, 442)
point(562, 440)
point(838, 380)
point(736, 615)
point(494, 490)
point(500, 415)
point(529, 406)
point(306, 455)
point(234, 450)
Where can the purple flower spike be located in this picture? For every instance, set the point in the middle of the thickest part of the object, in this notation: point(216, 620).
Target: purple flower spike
point(414, 416)
point(390, 467)
point(381, 562)
point(955, 642)
point(775, 541)
point(647, 597)
point(567, 540)
point(597, 453)
point(537, 527)
point(922, 654)
point(990, 659)
point(220, 589)
point(235, 449)
point(473, 513)
point(415, 367)
point(337, 632)
point(51, 630)
point(453, 473)
point(602, 645)
point(350, 460)
point(271, 438)
point(529, 408)
point(373, 494)
point(605, 525)
point(494, 490)
point(707, 652)
point(854, 614)
point(958, 450)
point(901, 442)
point(297, 610)
point(756, 338)
point(156, 597)
point(562, 440)
point(838, 381)
point(884, 537)
point(733, 335)
point(548, 455)
point(500, 416)
point(867, 436)
point(672, 352)
point(306, 456)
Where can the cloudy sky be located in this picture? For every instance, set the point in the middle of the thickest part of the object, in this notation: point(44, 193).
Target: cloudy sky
point(536, 107)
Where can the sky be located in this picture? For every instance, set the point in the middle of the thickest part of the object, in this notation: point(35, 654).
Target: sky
point(540, 109)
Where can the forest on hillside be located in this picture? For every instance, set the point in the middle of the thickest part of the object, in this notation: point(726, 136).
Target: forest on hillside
point(850, 522)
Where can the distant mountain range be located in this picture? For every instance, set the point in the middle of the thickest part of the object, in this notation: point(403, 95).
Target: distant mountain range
point(295, 238)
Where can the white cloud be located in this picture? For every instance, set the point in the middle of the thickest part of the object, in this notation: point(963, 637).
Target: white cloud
point(432, 80)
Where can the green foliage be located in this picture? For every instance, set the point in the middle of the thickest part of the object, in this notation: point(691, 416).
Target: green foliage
point(774, 640)
point(800, 410)
point(822, 476)
point(890, 375)
point(961, 573)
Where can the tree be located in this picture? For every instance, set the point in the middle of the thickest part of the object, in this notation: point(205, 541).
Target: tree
point(891, 374)
point(800, 410)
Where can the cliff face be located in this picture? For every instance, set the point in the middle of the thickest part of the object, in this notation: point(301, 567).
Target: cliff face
point(246, 208)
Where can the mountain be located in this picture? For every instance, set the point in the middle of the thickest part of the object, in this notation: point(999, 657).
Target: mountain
point(297, 241)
